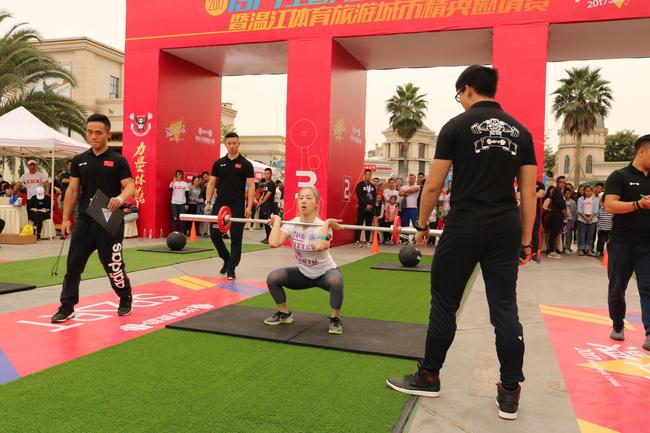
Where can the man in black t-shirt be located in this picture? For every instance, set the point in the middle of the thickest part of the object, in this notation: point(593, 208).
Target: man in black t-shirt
point(266, 200)
point(537, 231)
point(556, 219)
point(366, 194)
point(231, 175)
point(488, 149)
point(628, 199)
point(63, 179)
point(99, 168)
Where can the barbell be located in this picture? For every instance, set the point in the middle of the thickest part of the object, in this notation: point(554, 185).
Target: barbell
point(224, 220)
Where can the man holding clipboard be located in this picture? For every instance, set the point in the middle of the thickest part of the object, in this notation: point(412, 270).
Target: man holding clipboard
point(100, 180)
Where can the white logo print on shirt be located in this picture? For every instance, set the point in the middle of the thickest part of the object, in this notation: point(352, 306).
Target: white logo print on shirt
point(496, 128)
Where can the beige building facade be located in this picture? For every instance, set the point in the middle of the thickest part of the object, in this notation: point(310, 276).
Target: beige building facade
point(99, 70)
point(267, 149)
point(593, 167)
point(403, 160)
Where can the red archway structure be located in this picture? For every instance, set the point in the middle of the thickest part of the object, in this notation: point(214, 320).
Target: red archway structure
point(178, 50)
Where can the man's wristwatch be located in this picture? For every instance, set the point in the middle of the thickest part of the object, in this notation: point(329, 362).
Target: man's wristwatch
point(421, 229)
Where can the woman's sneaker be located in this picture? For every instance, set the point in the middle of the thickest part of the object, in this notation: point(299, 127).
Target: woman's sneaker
point(508, 402)
point(336, 326)
point(278, 318)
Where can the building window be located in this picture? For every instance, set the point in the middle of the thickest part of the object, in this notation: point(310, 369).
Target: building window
point(590, 165)
point(114, 88)
point(116, 137)
point(567, 164)
point(421, 167)
point(421, 148)
point(402, 150)
point(387, 150)
point(401, 168)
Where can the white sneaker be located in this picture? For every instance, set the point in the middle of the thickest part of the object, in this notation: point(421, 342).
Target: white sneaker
point(554, 255)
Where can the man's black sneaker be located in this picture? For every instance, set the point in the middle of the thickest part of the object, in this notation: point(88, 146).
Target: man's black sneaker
point(336, 326)
point(508, 402)
point(617, 335)
point(278, 318)
point(423, 383)
point(63, 314)
point(231, 274)
point(224, 268)
point(264, 241)
point(125, 306)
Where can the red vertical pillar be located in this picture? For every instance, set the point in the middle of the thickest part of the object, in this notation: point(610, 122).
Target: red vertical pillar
point(182, 104)
point(326, 91)
point(519, 52)
point(140, 126)
point(347, 138)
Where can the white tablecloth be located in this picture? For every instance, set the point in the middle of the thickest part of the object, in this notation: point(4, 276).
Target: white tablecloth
point(15, 218)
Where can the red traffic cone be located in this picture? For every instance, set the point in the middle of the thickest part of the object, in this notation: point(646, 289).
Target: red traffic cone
point(375, 243)
point(605, 258)
point(193, 233)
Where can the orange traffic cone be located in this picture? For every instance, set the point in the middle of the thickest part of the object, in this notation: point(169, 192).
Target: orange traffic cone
point(605, 258)
point(193, 233)
point(375, 243)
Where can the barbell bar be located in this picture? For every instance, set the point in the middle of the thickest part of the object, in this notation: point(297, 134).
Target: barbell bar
point(224, 219)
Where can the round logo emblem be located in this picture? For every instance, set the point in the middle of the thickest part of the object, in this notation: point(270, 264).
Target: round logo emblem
point(216, 7)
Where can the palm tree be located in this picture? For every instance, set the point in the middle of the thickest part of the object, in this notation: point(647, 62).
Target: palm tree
point(23, 68)
point(407, 110)
point(580, 99)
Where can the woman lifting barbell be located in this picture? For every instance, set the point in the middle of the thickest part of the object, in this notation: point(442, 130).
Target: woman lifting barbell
point(316, 268)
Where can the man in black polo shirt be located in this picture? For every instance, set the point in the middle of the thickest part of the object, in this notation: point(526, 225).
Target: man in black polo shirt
point(628, 199)
point(488, 149)
point(231, 175)
point(266, 201)
point(101, 168)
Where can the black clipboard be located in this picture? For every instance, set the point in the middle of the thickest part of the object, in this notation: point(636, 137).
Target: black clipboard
point(98, 210)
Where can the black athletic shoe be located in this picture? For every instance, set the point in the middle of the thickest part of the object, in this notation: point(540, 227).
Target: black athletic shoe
point(336, 326)
point(508, 402)
point(125, 306)
point(225, 236)
point(224, 268)
point(264, 241)
point(231, 274)
point(63, 314)
point(279, 318)
point(423, 383)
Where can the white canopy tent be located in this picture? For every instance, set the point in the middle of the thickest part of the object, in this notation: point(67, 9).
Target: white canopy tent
point(23, 134)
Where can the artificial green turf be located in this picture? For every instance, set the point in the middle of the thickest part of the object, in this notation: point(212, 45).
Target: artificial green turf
point(375, 294)
point(175, 381)
point(37, 271)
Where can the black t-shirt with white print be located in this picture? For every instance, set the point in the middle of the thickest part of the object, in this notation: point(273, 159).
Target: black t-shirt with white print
point(486, 146)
